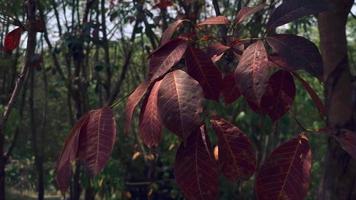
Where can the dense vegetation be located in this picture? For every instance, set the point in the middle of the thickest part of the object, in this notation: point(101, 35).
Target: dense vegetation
point(76, 57)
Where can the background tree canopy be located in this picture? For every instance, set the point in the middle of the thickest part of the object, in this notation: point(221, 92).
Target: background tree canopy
point(73, 66)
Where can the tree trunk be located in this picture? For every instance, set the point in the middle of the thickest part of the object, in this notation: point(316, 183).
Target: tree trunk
point(339, 179)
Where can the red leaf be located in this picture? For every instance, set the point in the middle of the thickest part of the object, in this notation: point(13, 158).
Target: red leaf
point(150, 123)
point(279, 95)
point(347, 140)
point(97, 141)
point(291, 10)
point(202, 69)
point(295, 52)
point(237, 157)
point(69, 154)
point(195, 169)
point(286, 172)
point(180, 99)
point(216, 51)
point(166, 57)
point(163, 4)
point(215, 21)
point(168, 33)
point(230, 90)
point(132, 101)
point(317, 101)
point(12, 39)
point(252, 72)
point(247, 11)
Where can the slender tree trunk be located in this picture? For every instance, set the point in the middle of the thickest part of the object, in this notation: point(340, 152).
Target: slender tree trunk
point(339, 179)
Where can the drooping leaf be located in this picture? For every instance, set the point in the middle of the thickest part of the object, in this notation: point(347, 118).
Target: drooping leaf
point(150, 123)
point(291, 10)
point(247, 11)
point(216, 51)
point(279, 95)
point(132, 101)
point(252, 72)
point(347, 140)
point(69, 154)
point(237, 157)
point(286, 172)
point(168, 33)
point(215, 21)
point(195, 169)
point(180, 99)
point(98, 139)
point(230, 91)
point(317, 101)
point(12, 39)
point(166, 57)
point(295, 52)
point(202, 69)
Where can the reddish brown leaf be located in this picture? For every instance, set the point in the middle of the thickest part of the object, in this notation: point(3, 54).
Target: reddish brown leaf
point(279, 95)
point(195, 169)
point(150, 123)
point(247, 11)
point(252, 72)
point(202, 69)
point(295, 52)
point(216, 51)
point(230, 91)
point(291, 10)
point(97, 141)
point(286, 172)
point(317, 101)
point(132, 101)
point(163, 4)
point(166, 57)
point(215, 21)
point(69, 154)
point(237, 157)
point(12, 39)
point(180, 99)
point(168, 33)
point(347, 140)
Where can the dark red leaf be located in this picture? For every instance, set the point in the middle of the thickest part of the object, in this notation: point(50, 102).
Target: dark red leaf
point(230, 91)
point(166, 57)
point(98, 139)
point(150, 123)
point(296, 53)
point(252, 72)
point(291, 10)
point(168, 33)
point(215, 21)
point(12, 39)
point(279, 95)
point(247, 11)
point(202, 69)
point(132, 101)
point(237, 157)
point(195, 169)
point(347, 140)
point(317, 101)
point(163, 4)
point(180, 99)
point(286, 172)
point(69, 154)
point(216, 51)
